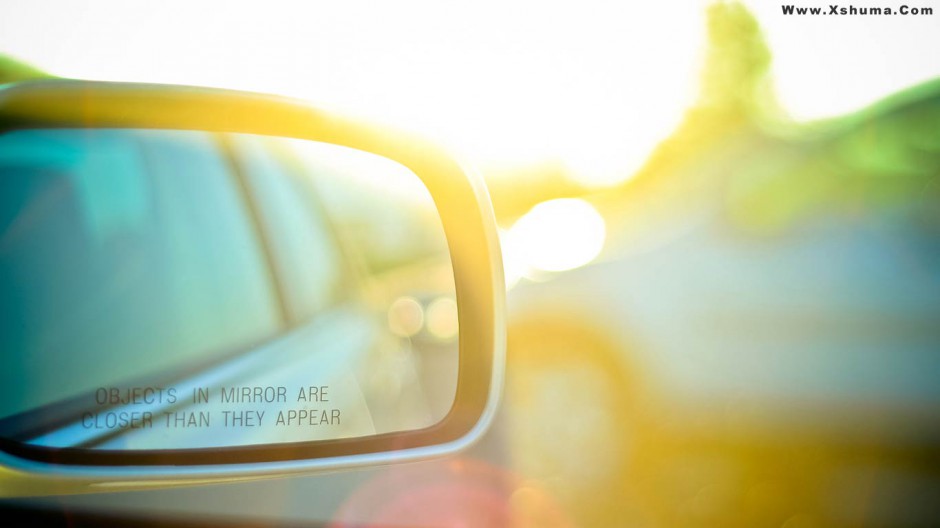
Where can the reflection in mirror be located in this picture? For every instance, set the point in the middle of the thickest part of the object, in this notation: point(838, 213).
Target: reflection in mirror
point(180, 290)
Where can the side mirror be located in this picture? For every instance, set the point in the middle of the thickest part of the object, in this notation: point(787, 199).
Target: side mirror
point(202, 285)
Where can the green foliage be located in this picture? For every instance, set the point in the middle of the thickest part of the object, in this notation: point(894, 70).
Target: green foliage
point(883, 161)
point(774, 176)
point(737, 59)
point(12, 70)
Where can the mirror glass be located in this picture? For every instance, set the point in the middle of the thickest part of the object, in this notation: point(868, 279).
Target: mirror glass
point(180, 290)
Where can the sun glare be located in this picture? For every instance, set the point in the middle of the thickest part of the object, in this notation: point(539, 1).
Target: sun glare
point(556, 235)
point(591, 85)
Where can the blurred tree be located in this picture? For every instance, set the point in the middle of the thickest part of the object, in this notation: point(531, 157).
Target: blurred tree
point(734, 84)
point(735, 149)
point(737, 59)
point(734, 81)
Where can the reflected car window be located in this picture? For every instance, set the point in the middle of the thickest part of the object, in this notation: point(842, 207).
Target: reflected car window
point(120, 253)
point(305, 254)
point(379, 208)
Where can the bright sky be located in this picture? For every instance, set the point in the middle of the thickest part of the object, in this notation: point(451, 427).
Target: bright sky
point(593, 83)
point(830, 65)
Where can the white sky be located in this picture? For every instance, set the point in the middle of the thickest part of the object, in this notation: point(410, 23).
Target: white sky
point(826, 65)
point(593, 83)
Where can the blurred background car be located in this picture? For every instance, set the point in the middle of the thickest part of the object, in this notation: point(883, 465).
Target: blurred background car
point(758, 343)
point(740, 331)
